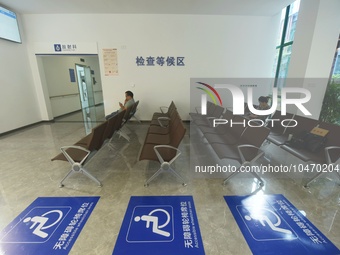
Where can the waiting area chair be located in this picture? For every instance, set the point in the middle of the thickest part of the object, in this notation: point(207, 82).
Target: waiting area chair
point(80, 154)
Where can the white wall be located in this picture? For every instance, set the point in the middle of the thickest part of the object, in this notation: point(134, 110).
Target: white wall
point(17, 96)
point(213, 46)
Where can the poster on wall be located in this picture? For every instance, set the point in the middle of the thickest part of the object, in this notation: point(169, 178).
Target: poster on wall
point(110, 62)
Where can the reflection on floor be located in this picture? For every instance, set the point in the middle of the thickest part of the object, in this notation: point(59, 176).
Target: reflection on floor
point(28, 173)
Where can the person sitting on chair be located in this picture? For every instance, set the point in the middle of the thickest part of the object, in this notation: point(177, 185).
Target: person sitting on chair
point(263, 105)
point(129, 101)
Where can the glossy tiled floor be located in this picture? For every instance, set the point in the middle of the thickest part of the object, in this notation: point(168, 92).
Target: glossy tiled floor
point(27, 173)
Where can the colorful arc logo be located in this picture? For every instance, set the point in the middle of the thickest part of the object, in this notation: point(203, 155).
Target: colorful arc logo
point(210, 91)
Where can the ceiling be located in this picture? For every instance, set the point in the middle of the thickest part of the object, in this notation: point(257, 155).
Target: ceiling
point(208, 7)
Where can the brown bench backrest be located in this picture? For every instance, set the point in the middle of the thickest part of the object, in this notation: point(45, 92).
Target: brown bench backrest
point(174, 121)
point(172, 107)
point(111, 122)
point(227, 115)
point(97, 137)
point(128, 112)
point(176, 136)
point(210, 108)
point(134, 109)
point(254, 136)
point(276, 126)
point(94, 143)
point(333, 136)
point(237, 129)
point(119, 122)
point(177, 133)
point(218, 111)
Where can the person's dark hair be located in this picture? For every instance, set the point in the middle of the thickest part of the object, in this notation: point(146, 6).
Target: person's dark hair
point(129, 93)
point(263, 99)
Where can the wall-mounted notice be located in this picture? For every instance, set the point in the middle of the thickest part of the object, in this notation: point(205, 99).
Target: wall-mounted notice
point(110, 62)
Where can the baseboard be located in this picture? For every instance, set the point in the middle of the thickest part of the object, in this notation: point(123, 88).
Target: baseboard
point(26, 126)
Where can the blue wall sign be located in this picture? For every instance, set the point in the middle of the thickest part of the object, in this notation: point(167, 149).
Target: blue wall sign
point(57, 47)
point(72, 75)
point(50, 225)
point(160, 223)
point(64, 47)
point(272, 225)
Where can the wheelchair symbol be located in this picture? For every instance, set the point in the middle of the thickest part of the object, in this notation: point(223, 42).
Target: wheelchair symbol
point(39, 222)
point(156, 228)
point(265, 220)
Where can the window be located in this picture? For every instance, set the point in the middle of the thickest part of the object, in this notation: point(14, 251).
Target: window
point(288, 21)
point(330, 111)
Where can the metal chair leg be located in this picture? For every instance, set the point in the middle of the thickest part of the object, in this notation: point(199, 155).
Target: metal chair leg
point(159, 171)
point(165, 167)
point(123, 134)
point(261, 182)
point(317, 177)
point(66, 176)
point(178, 176)
point(230, 176)
point(313, 179)
point(86, 173)
point(77, 168)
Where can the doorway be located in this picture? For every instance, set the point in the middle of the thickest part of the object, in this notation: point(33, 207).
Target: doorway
point(72, 88)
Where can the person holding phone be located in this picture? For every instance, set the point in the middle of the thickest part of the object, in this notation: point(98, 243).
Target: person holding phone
point(128, 102)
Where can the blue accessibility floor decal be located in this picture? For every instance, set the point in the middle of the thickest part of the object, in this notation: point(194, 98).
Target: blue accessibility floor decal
point(50, 225)
point(271, 225)
point(156, 225)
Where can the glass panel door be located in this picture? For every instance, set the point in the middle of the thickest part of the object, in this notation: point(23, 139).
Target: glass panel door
point(86, 97)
